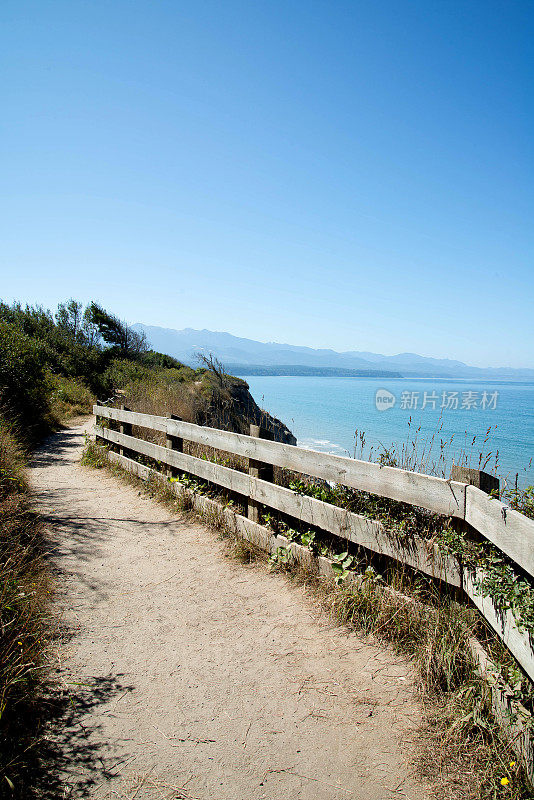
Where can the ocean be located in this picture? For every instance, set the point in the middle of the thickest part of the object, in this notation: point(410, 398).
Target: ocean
point(457, 418)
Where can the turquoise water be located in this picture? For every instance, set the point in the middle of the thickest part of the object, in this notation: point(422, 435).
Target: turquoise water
point(324, 414)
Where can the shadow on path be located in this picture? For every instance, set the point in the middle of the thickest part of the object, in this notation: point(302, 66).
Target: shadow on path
point(72, 756)
point(55, 449)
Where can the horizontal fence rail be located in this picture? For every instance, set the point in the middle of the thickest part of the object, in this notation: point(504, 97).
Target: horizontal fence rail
point(507, 529)
point(353, 527)
point(510, 531)
point(434, 494)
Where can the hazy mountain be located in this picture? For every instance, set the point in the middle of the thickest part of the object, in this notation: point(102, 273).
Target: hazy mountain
point(237, 353)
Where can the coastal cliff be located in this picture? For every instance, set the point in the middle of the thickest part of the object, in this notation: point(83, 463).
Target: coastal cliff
point(205, 396)
point(235, 409)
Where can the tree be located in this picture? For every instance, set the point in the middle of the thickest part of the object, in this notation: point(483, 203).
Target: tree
point(69, 317)
point(116, 333)
point(91, 333)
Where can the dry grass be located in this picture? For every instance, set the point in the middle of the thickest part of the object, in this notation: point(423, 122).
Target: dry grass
point(433, 453)
point(461, 753)
point(184, 400)
point(163, 398)
point(434, 636)
point(25, 589)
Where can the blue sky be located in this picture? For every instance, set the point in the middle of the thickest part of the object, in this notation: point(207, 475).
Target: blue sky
point(352, 175)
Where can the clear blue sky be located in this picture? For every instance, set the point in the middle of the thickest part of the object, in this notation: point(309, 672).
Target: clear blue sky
point(352, 175)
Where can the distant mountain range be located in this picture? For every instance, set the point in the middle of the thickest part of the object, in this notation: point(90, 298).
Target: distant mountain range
point(248, 357)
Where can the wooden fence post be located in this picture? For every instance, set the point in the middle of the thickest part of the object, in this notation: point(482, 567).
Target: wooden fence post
point(174, 443)
point(126, 428)
point(476, 477)
point(98, 422)
point(258, 469)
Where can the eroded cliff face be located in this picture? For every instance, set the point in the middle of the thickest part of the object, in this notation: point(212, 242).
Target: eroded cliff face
point(230, 406)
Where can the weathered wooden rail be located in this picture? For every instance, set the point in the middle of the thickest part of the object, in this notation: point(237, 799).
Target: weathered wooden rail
point(510, 531)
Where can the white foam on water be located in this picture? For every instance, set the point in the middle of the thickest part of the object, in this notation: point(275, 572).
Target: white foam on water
point(320, 445)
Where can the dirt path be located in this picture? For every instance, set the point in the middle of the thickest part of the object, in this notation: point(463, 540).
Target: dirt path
point(186, 669)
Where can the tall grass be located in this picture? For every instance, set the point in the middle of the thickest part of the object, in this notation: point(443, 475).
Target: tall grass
point(432, 453)
point(162, 397)
point(24, 616)
point(435, 454)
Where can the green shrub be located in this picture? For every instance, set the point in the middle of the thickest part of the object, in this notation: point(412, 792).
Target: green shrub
point(23, 389)
point(521, 500)
point(69, 397)
point(121, 372)
point(154, 359)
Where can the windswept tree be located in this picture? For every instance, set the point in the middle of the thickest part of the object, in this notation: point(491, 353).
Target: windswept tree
point(128, 342)
point(69, 317)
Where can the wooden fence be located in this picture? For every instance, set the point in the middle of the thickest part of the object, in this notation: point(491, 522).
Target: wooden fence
point(511, 532)
point(508, 530)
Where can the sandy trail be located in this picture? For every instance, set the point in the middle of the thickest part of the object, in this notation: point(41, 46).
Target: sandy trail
point(186, 669)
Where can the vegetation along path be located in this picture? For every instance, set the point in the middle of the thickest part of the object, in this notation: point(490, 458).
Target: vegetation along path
point(192, 675)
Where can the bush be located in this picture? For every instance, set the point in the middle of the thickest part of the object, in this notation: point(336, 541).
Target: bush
point(521, 500)
point(69, 397)
point(121, 372)
point(23, 388)
point(154, 359)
